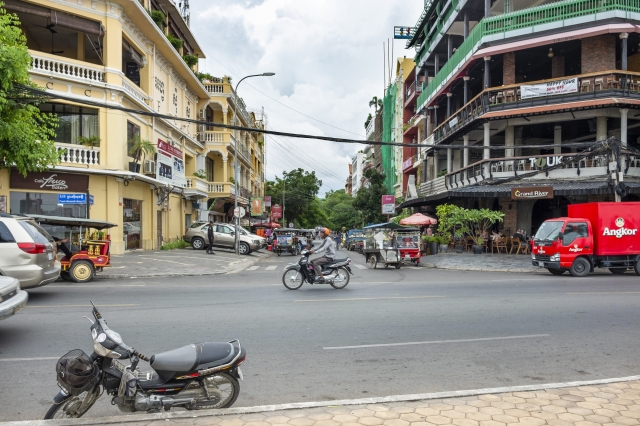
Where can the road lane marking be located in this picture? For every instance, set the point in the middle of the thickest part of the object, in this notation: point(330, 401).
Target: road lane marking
point(43, 358)
point(80, 306)
point(252, 268)
point(606, 292)
point(432, 342)
point(271, 267)
point(369, 298)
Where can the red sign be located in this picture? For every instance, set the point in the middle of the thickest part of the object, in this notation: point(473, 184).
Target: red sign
point(267, 201)
point(276, 211)
point(388, 204)
point(388, 199)
point(407, 164)
point(163, 146)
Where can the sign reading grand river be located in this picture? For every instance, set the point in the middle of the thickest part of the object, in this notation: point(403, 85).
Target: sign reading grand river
point(547, 89)
point(532, 193)
point(170, 166)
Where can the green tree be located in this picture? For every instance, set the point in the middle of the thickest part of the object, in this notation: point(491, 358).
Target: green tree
point(369, 197)
point(339, 209)
point(300, 189)
point(26, 134)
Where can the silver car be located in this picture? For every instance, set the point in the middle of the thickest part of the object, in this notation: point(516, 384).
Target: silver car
point(12, 298)
point(27, 252)
point(225, 237)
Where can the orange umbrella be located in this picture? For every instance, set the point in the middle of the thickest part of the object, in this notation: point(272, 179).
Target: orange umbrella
point(418, 219)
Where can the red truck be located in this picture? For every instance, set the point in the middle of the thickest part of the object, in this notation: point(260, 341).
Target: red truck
point(595, 235)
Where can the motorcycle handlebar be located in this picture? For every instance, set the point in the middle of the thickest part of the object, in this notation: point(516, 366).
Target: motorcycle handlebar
point(139, 355)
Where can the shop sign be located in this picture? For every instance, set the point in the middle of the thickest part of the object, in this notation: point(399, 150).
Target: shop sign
point(388, 204)
point(532, 193)
point(276, 211)
point(74, 199)
point(49, 181)
point(170, 166)
point(267, 201)
point(551, 88)
point(406, 164)
point(257, 206)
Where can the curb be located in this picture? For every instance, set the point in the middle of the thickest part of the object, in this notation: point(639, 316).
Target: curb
point(302, 405)
point(470, 268)
point(231, 269)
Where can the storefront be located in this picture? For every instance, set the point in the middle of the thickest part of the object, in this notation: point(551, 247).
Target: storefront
point(132, 223)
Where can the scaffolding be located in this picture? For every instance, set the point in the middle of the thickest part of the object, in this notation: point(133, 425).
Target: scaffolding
point(388, 124)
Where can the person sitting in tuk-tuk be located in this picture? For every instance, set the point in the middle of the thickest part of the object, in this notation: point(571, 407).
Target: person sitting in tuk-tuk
point(60, 243)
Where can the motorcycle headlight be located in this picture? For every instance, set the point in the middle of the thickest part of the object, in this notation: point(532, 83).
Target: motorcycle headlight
point(555, 257)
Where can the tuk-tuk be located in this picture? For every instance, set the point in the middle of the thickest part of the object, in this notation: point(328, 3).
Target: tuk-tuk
point(285, 239)
point(408, 241)
point(355, 240)
point(90, 245)
point(381, 244)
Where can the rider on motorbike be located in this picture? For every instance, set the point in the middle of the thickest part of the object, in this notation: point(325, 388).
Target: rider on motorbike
point(327, 246)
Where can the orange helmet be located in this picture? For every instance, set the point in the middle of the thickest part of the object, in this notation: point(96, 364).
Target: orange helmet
point(325, 231)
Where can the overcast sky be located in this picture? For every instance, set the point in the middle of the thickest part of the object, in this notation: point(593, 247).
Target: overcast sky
point(327, 56)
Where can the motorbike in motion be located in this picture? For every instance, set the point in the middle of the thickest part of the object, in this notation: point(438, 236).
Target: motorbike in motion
point(194, 377)
point(335, 273)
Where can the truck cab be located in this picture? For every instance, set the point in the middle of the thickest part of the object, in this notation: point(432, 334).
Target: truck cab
point(559, 242)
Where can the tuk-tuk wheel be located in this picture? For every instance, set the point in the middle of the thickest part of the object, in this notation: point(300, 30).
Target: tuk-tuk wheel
point(278, 252)
point(81, 271)
point(373, 261)
point(65, 276)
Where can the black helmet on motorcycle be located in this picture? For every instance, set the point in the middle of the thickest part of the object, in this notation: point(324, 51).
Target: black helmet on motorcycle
point(76, 373)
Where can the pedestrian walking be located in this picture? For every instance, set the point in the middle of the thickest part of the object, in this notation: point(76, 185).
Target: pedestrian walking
point(212, 238)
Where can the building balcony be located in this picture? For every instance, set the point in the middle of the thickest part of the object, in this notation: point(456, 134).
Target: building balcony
point(554, 17)
point(243, 152)
point(214, 137)
point(196, 187)
point(414, 90)
point(370, 128)
point(589, 90)
point(71, 155)
point(54, 66)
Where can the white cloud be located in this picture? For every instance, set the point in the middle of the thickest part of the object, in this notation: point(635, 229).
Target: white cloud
point(327, 56)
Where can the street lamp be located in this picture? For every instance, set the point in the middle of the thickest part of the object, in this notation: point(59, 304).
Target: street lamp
point(235, 157)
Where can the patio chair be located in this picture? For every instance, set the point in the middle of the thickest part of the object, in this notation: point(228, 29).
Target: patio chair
point(516, 245)
point(510, 95)
point(469, 243)
point(585, 85)
point(499, 245)
point(598, 83)
point(613, 83)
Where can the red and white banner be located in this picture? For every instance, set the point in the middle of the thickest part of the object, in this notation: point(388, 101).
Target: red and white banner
point(170, 165)
point(548, 89)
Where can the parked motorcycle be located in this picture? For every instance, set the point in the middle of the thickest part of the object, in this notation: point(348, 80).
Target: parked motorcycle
point(335, 273)
point(197, 376)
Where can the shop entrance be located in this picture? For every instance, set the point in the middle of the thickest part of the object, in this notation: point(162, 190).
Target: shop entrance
point(547, 209)
point(131, 223)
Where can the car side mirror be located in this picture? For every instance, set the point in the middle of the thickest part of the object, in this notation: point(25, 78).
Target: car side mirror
point(561, 236)
point(233, 233)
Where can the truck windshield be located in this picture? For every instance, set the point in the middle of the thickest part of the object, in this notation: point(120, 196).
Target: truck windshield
point(549, 231)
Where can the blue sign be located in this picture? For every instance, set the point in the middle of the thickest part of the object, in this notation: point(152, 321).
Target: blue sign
point(74, 199)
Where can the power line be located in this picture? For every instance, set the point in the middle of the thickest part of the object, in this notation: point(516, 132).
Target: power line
point(275, 100)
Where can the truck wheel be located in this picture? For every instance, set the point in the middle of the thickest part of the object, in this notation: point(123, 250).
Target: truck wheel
point(618, 271)
point(580, 267)
point(556, 271)
point(636, 268)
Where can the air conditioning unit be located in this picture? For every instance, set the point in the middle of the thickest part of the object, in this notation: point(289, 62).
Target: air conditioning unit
point(202, 137)
point(149, 167)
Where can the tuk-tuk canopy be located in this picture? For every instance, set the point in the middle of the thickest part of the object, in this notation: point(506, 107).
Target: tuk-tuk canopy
point(71, 221)
point(391, 226)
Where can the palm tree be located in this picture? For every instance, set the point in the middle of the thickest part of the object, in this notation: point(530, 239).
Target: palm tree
point(138, 148)
point(376, 103)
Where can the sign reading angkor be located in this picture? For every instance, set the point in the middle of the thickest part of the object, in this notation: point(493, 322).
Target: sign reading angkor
point(532, 193)
point(49, 181)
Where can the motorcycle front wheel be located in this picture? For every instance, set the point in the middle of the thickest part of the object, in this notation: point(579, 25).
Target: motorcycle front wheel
point(74, 407)
point(292, 279)
point(343, 276)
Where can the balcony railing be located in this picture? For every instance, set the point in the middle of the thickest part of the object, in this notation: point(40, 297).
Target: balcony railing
point(197, 184)
point(568, 166)
point(220, 187)
point(70, 69)
point(213, 137)
point(370, 128)
point(134, 91)
point(432, 187)
point(414, 89)
point(215, 88)
point(564, 12)
point(78, 154)
point(588, 86)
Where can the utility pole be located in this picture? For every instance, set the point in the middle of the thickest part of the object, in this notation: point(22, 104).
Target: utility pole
point(235, 155)
point(284, 190)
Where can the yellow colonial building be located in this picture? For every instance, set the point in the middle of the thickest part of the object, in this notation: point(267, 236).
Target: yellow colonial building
point(139, 55)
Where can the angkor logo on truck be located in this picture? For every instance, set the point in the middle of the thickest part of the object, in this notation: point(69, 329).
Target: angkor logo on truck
point(620, 232)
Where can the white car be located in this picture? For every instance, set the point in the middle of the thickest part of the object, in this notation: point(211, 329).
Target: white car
point(12, 298)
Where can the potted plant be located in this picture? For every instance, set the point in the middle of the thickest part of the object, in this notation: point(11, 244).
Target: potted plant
point(138, 149)
point(89, 140)
point(460, 242)
point(443, 242)
point(480, 220)
point(200, 174)
point(433, 243)
point(478, 247)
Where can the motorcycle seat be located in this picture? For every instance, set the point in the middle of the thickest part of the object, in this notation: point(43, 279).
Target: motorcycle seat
point(334, 262)
point(191, 357)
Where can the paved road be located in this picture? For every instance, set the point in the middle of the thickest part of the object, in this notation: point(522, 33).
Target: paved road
point(389, 332)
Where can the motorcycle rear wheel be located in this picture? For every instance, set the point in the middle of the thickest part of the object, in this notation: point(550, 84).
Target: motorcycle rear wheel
point(232, 395)
point(61, 411)
point(291, 281)
point(344, 274)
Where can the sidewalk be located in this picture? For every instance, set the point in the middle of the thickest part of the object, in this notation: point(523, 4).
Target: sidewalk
point(486, 262)
point(178, 262)
point(600, 402)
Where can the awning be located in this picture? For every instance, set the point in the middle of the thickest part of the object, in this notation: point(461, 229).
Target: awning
point(418, 219)
point(56, 18)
